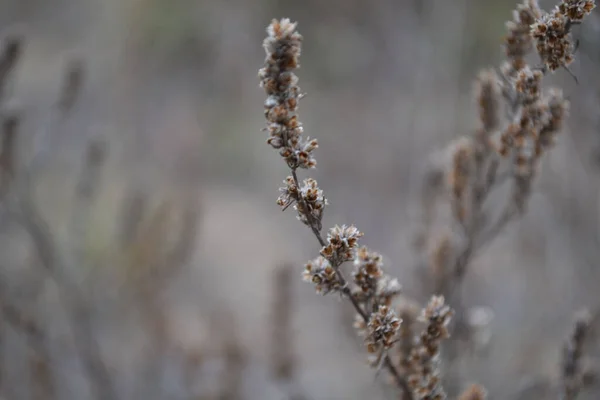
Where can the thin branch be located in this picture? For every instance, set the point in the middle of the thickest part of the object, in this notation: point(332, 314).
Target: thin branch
point(400, 380)
point(70, 296)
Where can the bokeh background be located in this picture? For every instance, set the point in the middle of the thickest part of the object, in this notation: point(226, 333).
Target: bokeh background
point(178, 252)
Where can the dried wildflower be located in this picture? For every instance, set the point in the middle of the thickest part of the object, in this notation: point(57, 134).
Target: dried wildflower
point(575, 10)
point(283, 47)
point(368, 270)
point(342, 242)
point(323, 275)
point(387, 289)
point(408, 312)
point(488, 99)
point(557, 111)
point(553, 41)
point(309, 200)
point(527, 84)
point(437, 315)
point(424, 379)
point(474, 392)
point(459, 178)
point(518, 42)
point(527, 140)
point(441, 257)
point(572, 353)
point(289, 194)
point(381, 329)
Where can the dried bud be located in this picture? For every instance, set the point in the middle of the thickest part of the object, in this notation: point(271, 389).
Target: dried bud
point(474, 392)
point(283, 47)
point(424, 378)
point(488, 94)
point(527, 84)
point(576, 10)
point(308, 201)
point(342, 242)
point(323, 275)
point(553, 42)
point(387, 289)
point(381, 329)
point(368, 270)
point(518, 41)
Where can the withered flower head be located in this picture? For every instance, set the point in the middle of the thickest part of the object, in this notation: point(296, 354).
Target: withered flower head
point(313, 201)
point(474, 392)
point(557, 109)
point(575, 10)
point(441, 256)
point(381, 329)
point(387, 289)
point(527, 84)
point(437, 315)
point(424, 379)
point(308, 201)
point(288, 194)
point(368, 270)
point(553, 42)
point(488, 97)
point(283, 47)
point(459, 176)
point(320, 272)
point(518, 41)
point(342, 242)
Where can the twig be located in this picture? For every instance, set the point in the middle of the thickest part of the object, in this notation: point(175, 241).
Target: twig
point(400, 380)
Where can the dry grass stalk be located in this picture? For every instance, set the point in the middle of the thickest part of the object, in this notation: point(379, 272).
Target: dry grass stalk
point(72, 86)
point(283, 362)
point(21, 205)
point(43, 385)
point(235, 361)
point(86, 191)
point(283, 358)
point(9, 57)
point(155, 244)
point(132, 212)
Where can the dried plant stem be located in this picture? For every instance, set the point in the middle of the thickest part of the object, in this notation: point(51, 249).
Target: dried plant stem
point(283, 362)
point(39, 358)
point(70, 296)
point(395, 373)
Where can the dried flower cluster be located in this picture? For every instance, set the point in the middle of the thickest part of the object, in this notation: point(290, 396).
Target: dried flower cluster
point(282, 46)
point(368, 270)
point(509, 148)
point(320, 272)
point(533, 118)
point(518, 42)
point(308, 200)
point(572, 373)
point(342, 242)
point(518, 123)
point(474, 392)
point(424, 379)
point(552, 31)
point(371, 291)
point(382, 329)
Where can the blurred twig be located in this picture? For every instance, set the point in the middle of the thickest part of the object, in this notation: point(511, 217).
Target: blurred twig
point(19, 201)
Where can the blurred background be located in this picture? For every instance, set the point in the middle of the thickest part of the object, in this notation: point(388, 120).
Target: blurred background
point(159, 194)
